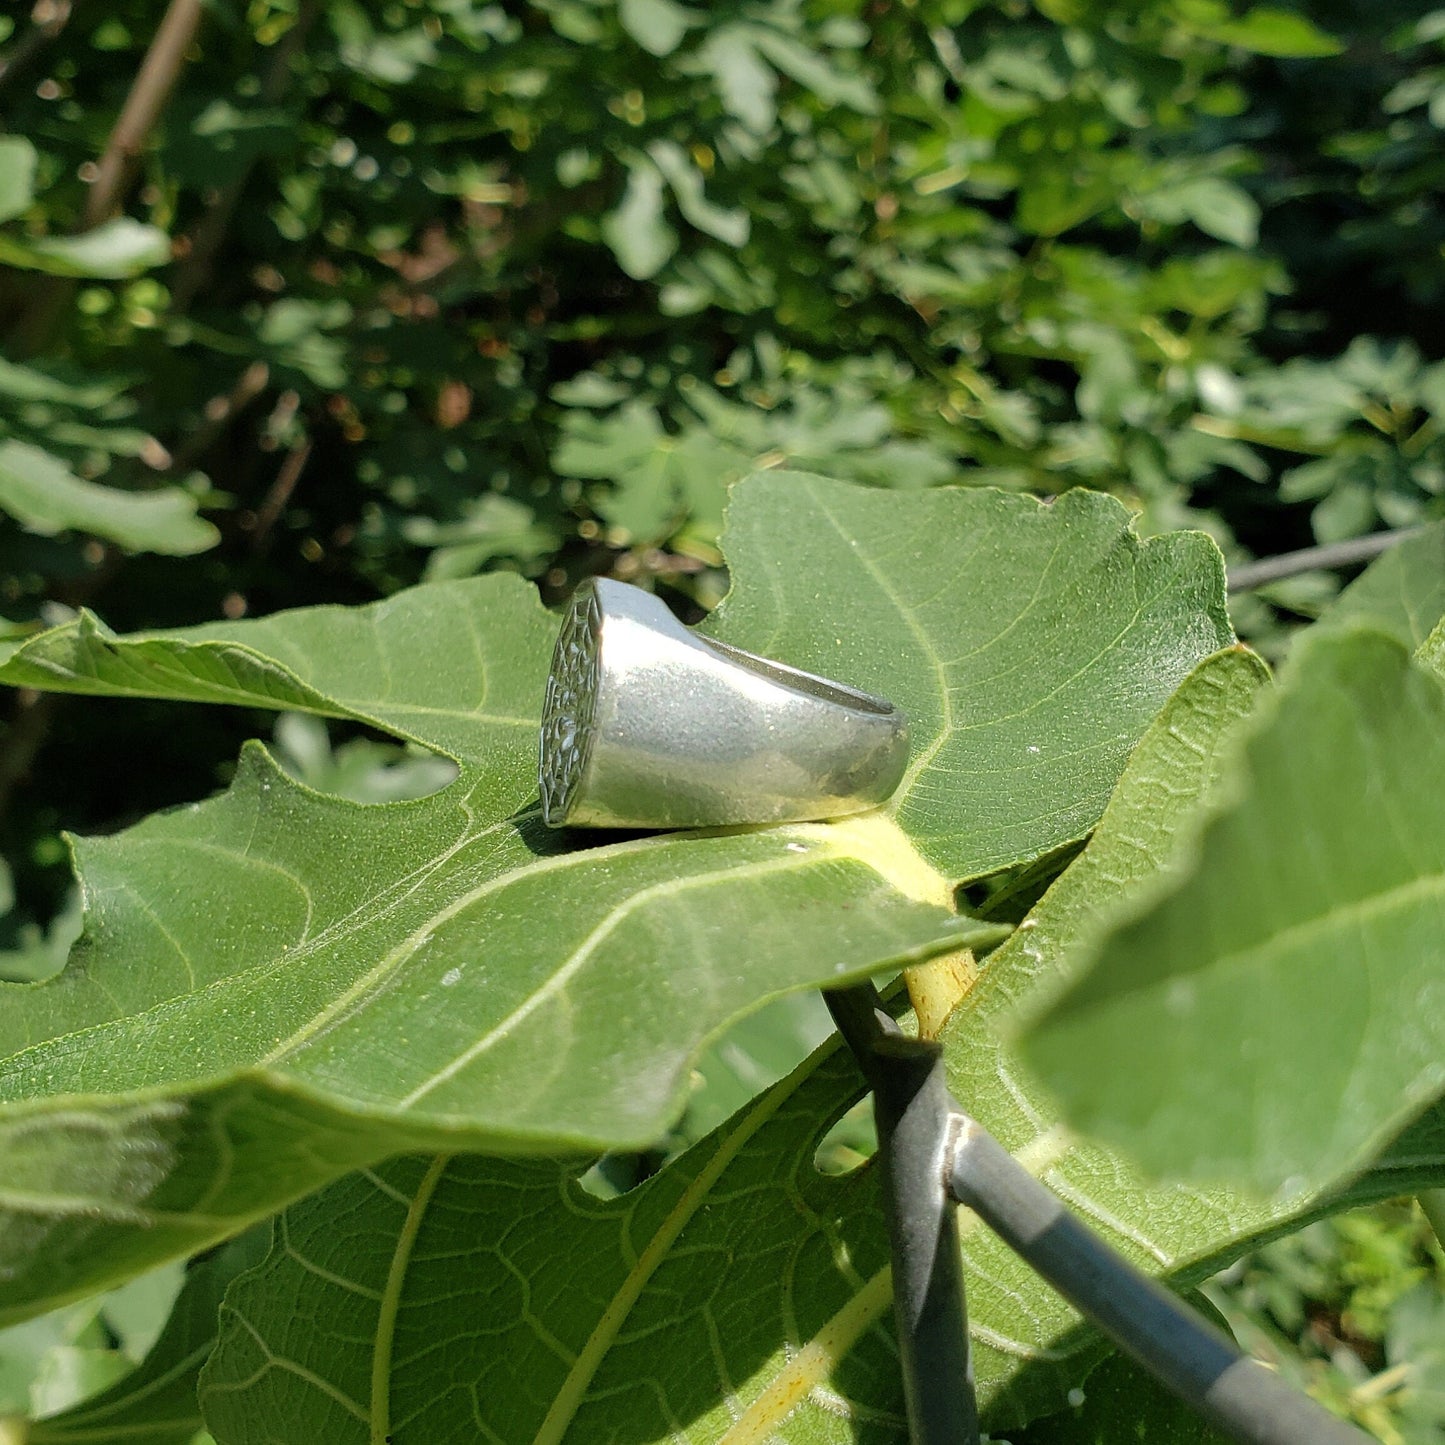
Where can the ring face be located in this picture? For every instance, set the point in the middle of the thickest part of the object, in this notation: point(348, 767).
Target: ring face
point(647, 724)
point(569, 707)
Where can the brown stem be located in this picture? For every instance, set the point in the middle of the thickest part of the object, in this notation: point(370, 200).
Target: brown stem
point(148, 94)
point(153, 84)
point(280, 493)
point(194, 272)
point(217, 415)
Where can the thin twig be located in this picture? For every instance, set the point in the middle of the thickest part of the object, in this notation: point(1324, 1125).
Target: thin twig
point(217, 415)
point(143, 104)
point(280, 492)
point(151, 89)
point(1251, 575)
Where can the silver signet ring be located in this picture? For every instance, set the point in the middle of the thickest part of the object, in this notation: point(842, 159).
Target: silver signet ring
point(646, 724)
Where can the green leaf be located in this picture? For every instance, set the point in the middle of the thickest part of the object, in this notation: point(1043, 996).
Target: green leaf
point(112, 251)
point(1218, 207)
point(1162, 1228)
point(441, 929)
point(155, 1404)
point(44, 496)
point(1307, 929)
point(1401, 592)
point(657, 479)
point(27, 383)
point(637, 230)
point(656, 25)
point(17, 176)
point(417, 1268)
point(294, 333)
point(1265, 31)
point(1055, 201)
point(814, 73)
point(630, 449)
point(1030, 645)
point(727, 225)
point(747, 85)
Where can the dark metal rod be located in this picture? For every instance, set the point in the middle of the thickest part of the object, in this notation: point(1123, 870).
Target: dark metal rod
point(912, 1106)
point(1249, 575)
point(1182, 1350)
point(912, 1110)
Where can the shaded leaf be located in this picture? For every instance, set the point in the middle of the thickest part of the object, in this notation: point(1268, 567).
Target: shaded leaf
point(1120, 1402)
point(43, 495)
point(738, 1290)
point(1307, 927)
point(155, 1404)
point(111, 251)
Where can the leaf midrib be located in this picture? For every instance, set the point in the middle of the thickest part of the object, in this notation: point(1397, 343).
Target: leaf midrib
point(578, 957)
point(573, 1389)
point(368, 710)
point(385, 1338)
point(358, 994)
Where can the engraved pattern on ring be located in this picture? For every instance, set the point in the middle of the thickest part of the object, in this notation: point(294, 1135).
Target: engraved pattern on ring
point(567, 710)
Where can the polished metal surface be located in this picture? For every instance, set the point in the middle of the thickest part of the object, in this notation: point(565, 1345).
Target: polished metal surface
point(647, 724)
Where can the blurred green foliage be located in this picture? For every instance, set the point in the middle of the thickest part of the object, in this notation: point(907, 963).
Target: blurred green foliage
point(528, 284)
point(1353, 1309)
point(419, 288)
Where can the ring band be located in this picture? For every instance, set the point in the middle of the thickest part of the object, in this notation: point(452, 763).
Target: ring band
point(647, 724)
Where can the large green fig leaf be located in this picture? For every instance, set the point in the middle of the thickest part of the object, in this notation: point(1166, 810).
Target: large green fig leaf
point(447, 973)
point(1308, 930)
point(738, 1295)
point(1030, 644)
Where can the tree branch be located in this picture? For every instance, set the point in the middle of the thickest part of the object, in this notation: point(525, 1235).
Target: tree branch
point(148, 95)
point(1251, 575)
